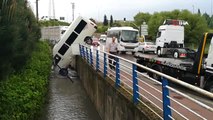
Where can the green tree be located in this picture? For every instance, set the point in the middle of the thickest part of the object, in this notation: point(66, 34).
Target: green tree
point(105, 23)
point(155, 21)
point(111, 21)
point(197, 26)
point(18, 32)
point(198, 12)
point(193, 32)
point(102, 29)
point(141, 17)
point(116, 24)
point(211, 22)
point(207, 18)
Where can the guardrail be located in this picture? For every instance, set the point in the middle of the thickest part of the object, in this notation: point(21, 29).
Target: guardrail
point(165, 101)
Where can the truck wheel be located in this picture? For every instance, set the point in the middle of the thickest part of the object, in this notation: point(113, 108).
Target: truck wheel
point(63, 72)
point(88, 40)
point(159, 52)
point(143, 51)
point(155, 76)
point(139, 69)
point(176, 54)
point(123, 52)
point(133, 53)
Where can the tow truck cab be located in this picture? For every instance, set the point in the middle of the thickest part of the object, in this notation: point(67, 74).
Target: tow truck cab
point(203, 64)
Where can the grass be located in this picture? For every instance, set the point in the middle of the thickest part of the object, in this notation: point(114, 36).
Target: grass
point(211, 30)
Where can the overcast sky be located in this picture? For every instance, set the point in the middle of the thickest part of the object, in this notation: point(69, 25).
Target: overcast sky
point(119, 9)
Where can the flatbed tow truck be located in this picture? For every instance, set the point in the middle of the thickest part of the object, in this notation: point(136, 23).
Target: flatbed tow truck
point(197, 70)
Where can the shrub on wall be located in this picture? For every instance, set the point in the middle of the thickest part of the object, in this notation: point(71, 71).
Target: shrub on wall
point(22, 94)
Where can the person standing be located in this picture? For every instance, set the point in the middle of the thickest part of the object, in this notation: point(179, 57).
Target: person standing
point(112, 49)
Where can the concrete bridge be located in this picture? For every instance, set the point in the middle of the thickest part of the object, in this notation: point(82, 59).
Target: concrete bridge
point(121, 94)
point(127, 94)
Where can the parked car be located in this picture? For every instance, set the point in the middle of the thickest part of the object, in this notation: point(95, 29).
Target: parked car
point(147, 47)
point(95, 41)
point(103, 38)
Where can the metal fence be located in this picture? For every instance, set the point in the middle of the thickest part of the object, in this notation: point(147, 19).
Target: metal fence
point(166, 100)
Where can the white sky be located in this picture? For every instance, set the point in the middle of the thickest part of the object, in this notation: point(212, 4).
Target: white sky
point(119, 9)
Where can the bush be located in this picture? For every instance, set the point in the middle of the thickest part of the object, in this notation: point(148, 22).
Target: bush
point(19, 33)
point(53, 23)
point(102, 29)
point(22, 94)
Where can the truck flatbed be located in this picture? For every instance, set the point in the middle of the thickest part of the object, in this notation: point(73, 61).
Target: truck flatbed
point(182, 64)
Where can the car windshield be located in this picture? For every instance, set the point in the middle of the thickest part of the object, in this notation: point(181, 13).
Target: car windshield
point(129, 35)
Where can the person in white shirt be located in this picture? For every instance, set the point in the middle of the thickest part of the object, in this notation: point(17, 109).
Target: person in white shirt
point(112, 49)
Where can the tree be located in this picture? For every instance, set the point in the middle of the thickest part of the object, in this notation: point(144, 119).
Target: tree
point(155, 21)
point(197, 26)
point(105, 23)
point(18, 32)
point(208, 19)
point(116, 24)
point(211, 22)
point(193, 32)
point(198, 12)
point(141, 17)
point(111, 21)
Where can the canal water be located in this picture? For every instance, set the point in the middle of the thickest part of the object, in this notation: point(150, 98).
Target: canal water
point(67, 100)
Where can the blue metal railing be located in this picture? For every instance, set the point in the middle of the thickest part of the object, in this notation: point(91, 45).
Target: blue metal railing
point(142, 86)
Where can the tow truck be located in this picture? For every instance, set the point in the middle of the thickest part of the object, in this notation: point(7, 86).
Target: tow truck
point(197, 70)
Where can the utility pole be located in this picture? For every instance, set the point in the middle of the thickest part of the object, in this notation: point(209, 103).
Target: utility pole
point(37, 10)
point(211, 7)
point(51, 9)
point(53, 2)
point(193, 8)
point(73, 8)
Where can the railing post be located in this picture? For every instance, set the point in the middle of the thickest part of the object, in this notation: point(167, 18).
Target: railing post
point(135, 84)
point(83, 52)
point(166, 100)
point(80, 50)
point(87, 53)
point(97, 60)
point(117, 72)
point(91, 58)
point(105, 65)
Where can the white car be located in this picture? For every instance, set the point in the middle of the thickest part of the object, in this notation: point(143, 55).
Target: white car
point(147, 47)
point(103, 38)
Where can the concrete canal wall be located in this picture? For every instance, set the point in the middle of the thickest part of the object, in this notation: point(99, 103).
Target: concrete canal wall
point(111, 103)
